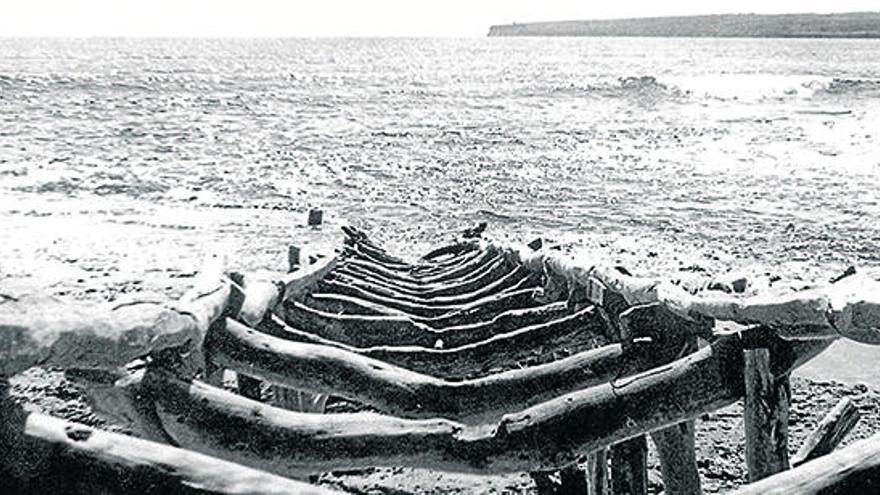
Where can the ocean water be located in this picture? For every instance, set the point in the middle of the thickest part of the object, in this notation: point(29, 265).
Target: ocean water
point(114, 152)
point(771, 147)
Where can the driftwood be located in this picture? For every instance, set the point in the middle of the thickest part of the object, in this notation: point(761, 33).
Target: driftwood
point(765, 415)
point(42, 454)
point(53, 333)
point(851, 470)
point(374, 330)
point(828, 434)
point(544, 437)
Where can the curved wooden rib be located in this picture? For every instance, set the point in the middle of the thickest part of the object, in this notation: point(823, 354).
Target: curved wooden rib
point(547, 436)
point(475, 280)
point(458, 272)
point(372, 330)
point(301, 281)
point(49, 332)
point(57, 456)
point(423, 308)
point(515, 278)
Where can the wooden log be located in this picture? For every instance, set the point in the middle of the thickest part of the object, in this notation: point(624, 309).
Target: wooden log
point(828, 434)
point(678, 460)
point(376, 330)
point(597, 473)
point(455, 275)
point(439, 265)
point(376, 256)
point(57, 456)
point(544, 437)
point(629, 466)
point(452, 249)
point(765, 416)
point(50, 332)
point(852, 470)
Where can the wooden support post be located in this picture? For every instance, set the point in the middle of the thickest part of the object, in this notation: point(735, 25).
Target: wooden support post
point(597, 473)
point(828, 434)
point(678, 459)
point(293, 258)
point(629, 467)
point(316, 217)
point(766, 407)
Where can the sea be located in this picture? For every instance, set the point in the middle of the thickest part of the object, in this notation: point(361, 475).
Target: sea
point(123, 157)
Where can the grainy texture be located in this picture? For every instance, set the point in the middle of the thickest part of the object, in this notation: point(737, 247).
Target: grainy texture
point(828, 434)
point(767, 400)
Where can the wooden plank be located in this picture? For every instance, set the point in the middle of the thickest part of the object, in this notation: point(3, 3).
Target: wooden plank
point(852, 470)
point(597, 473)
point(629, 466)
point(765, 416)
point(828, 434)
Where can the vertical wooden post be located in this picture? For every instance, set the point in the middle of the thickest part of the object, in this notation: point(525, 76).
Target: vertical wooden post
point(629, 466)
point(678, 459)
point(676, 448)
point(293, 258)
point(597, 473)
point(766, 407)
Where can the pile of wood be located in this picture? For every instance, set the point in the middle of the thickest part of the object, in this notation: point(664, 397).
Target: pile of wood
point(477, 358)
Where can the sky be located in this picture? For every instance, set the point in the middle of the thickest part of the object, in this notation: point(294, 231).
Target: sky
point(299, 18)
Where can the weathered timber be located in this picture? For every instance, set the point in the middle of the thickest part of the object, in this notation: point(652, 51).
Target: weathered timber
point(406, 393)
point(43, 454)
point(765, 415)
point(678, 459)
point(301, 281)
point(849, 471)
point(544, 437)
point(371, 255)
point(373, 330)
point(456, 274)
point(849, 308)
point(480, 310)
point(49, 332)
point(629, 466)
point(422, 308)
point(452, 249)
point(515, 278)
point(488, 274)
point(828, 434)
point(597, 473)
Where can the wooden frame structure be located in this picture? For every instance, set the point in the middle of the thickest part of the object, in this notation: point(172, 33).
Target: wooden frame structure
point(478, 358)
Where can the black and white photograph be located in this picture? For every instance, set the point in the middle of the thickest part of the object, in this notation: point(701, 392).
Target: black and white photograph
point(390, 247)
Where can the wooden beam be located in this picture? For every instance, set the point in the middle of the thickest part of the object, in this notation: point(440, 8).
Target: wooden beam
point(828, 434)
point(852, 470)
point(765, 411)
point(629, 466)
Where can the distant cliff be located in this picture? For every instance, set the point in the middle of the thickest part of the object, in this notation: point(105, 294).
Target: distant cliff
point(849, 25)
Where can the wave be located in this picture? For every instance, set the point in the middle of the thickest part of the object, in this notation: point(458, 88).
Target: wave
point(623, 87)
